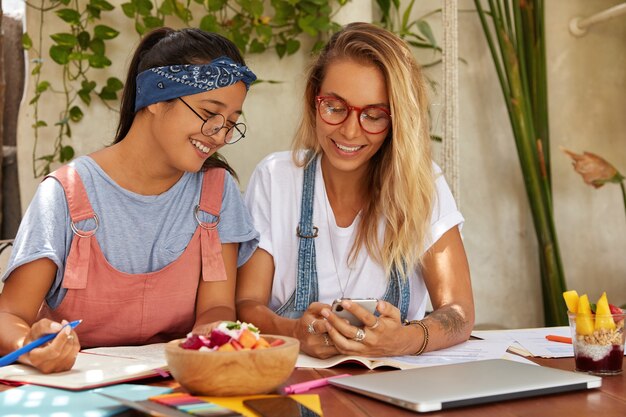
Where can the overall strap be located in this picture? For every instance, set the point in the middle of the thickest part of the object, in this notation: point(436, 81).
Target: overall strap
point(398, 292)
point(306, 282)
point(213, 268)
point(77, 263)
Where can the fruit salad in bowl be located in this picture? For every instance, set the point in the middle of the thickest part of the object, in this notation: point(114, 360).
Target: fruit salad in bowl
point(597, 334)
point(234, 359)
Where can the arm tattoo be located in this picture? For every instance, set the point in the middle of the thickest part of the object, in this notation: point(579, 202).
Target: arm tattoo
point(449, 319)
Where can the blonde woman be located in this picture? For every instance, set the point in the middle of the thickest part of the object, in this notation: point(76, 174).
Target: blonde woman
point(358, 210)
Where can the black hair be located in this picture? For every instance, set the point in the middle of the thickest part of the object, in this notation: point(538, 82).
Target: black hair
point(166, 46)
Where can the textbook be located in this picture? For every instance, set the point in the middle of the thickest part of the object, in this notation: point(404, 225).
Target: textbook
point(306, 361)
point(469, 351)
point(96, 368)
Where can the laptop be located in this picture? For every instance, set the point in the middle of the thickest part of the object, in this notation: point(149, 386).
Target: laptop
point(469, 383)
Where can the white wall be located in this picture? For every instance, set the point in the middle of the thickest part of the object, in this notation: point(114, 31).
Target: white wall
point(587, 106)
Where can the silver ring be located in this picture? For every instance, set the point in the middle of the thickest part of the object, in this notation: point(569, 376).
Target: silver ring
point(311, 327)
point(375, 324)
point(359, 336)
point(326, 340)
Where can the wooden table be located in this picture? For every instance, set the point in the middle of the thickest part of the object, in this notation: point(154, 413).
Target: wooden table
point(607, 401)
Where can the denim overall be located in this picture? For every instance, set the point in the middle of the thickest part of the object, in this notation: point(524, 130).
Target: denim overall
point(398, 290)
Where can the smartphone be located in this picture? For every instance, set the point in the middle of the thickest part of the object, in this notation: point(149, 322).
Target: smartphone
point(367, 303)
point(279, 407)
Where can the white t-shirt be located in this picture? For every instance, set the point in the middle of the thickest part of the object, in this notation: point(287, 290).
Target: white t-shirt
point(274, 197)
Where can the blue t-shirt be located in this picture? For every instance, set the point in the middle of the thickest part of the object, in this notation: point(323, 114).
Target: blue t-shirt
point(137, 233)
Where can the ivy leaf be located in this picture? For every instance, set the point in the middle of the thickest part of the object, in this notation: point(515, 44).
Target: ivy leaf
point(167, 7)
point(281, 49)
point(129, 9)
point(264, 32)
point(70, 16)
point(139, 28)
point(152, 22)
point(97, 46)
point(99, 61)
point(84, 96)
point(66, 154)
point(93, 12)
point(40, 123)
point(114, 84)
point(209, 24)
point(64, 39)
point(60, 54)
point(105, 32)
point(306, 24)
point(83, 39)
point(292, 46)
point(144, 7)
point(102, 5)
point(88, 85)
point(256, 47)
point(76, 114)
point(319, 45)
point(216, 5)
point(182, 11)
point(65, 2)
point(27, 42)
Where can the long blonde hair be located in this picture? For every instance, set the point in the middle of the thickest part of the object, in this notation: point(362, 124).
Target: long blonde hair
point(400, 179)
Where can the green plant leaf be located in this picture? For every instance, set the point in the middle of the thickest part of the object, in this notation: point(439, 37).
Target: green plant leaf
point(64, 39)
point(209, 24)
point(40, 123)
point(83, 39)
point(27, 42)
point(76, 114)
point(129, 9)
point(105, 32)
point(216, 5)
point(85, 97)
point(60, 54)
point(256, 47)
point(114, 84)
point(144, 7)
point(281, 49)
point(152, 22)
point(93, 12)
point(264, 32)
point(426, 30)
point(292, 46)
point(102, 5)
point(66, 154)
point(42, 86)
point(97, 46)
point(70, 16)
point(306, 24)
point(99, 61)
point(167, 7)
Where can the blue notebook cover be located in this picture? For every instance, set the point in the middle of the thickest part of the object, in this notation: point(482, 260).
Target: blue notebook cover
point(38, 401)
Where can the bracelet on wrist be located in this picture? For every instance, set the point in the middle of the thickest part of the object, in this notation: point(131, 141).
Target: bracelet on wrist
point(425, 329)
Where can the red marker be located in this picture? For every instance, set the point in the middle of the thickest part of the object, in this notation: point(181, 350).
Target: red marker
point(562, 339)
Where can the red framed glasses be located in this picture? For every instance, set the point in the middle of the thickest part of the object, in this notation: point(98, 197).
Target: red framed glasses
point(335, 111)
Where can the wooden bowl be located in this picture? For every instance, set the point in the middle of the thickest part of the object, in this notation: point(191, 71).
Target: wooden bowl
point(243, 372)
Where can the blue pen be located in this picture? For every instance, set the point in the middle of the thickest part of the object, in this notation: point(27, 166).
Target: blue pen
point(13, 356)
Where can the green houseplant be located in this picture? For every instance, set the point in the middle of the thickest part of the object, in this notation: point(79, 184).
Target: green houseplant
point(514, 30)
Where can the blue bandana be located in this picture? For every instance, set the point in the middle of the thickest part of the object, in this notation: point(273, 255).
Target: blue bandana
point(173, 81)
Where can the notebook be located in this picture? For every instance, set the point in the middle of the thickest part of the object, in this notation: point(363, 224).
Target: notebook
point(448, 386)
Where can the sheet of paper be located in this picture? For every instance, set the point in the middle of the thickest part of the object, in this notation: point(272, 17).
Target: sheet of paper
point(533, 340)
point(89, 371)
point(472, 350)
point(148, 353)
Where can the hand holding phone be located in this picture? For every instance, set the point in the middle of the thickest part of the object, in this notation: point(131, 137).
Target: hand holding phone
point(367, 303)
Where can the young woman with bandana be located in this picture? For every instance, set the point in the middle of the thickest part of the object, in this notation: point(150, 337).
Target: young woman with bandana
point(141, 240)
point(358, 210)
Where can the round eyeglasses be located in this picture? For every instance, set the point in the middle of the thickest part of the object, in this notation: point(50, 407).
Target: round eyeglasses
point(335, 111)
point(216, 122)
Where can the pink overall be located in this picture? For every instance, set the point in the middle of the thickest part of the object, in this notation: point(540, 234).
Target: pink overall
point(118, 308)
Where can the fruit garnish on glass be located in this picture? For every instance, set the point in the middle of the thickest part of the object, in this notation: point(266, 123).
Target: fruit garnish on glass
point(597, 333)
point(229, 336)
